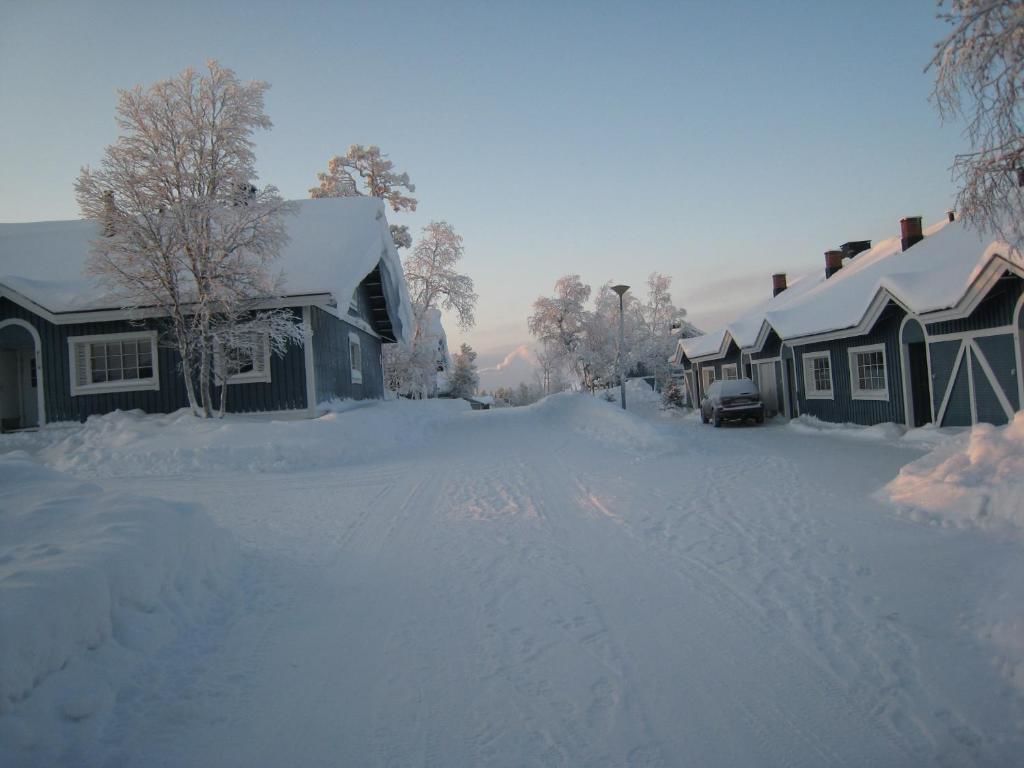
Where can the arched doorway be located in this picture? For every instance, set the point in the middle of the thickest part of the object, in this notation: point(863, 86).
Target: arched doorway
point(917, 388)
point(21, 386)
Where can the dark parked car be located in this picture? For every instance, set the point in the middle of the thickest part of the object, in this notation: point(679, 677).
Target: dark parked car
point(731, 399)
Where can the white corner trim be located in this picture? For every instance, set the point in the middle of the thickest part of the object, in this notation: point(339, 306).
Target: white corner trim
point(356, 373)
point(108, 387)
point(870, 394)
point(38, 344)
point(307, 344)
point(1018, 333)
point(810, 392)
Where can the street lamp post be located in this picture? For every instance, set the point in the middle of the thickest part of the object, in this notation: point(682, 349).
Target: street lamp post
point(621, 289)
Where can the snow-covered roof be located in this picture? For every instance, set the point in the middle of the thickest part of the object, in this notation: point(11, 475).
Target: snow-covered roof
point(745, 329)
point(333, 244)
point(934, 274)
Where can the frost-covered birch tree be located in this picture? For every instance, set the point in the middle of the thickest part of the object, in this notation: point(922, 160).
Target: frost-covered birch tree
point(979, 76)
point(368, 171)
point(435, 283)
point(558, 321)
point(186, 234)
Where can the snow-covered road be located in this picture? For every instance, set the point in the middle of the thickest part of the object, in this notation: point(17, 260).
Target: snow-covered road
point(535, 587)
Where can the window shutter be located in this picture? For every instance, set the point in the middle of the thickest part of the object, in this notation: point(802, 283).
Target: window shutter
point(81, 372)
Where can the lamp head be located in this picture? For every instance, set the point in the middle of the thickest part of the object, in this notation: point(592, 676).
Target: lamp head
point(620, 289)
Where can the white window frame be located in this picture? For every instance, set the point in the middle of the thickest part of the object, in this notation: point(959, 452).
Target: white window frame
point(735, 372)
point(258, 374)
point(356, 373)
point(106, 387)
point(811, 392)
point(868, 394)
point(704, 378)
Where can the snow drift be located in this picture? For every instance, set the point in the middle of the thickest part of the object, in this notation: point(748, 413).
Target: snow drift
point(974, 479)
point(133, 444)
point(89, 582)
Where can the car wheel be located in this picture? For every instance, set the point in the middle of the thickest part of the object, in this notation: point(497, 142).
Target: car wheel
point(717, 419)
point(759, 419)
point(703, 417)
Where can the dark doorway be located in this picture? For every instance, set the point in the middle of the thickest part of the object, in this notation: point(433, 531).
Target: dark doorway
point(791, 388)
point(920, 387)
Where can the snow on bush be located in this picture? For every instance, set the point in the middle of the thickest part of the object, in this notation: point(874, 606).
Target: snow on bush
point(89, 582)
point(133, 444)
point(976, 478)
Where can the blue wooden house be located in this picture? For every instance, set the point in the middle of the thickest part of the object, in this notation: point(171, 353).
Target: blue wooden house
point(67, 349)
point(922, 328)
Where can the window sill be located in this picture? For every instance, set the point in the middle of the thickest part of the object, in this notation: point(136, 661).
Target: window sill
point(871, 396)
point(820, 396)
point(259, 378)
point(148, 385)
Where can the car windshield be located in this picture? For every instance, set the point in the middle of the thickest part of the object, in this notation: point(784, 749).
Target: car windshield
point(737, 387)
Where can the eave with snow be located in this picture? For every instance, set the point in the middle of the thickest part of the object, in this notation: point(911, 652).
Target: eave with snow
point(343, 283)
point(921, 328)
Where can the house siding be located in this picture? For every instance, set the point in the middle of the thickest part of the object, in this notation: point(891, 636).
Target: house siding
point(996, 310)
point(286, 391)
point(331, 359)
point(843, 408)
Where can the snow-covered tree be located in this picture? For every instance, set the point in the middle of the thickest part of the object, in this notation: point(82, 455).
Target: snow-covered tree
point(979, 70)
point(376, 178)
point(431, 273)
point(432, 276)
point(464, 378)
point(185, 230)
point(558, 321)
point(656, 321)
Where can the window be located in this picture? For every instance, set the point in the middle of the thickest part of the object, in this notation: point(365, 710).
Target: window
point(114, 362)
point(818, 375)
point(246, 362)
point(707, 376)
point(355, 356)
point(867, 373)
point(729, 372)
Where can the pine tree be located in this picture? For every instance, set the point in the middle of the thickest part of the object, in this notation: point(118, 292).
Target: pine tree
point(464, 379)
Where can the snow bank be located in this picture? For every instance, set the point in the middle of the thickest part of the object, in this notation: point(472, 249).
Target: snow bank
point(133, 444)
point(89, 582)
point(810, 425)
point(974, 479)
point(602, 421)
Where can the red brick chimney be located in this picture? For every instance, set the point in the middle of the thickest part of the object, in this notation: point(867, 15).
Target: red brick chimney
point(778, 283)
point(910, 231)
point(833, 262)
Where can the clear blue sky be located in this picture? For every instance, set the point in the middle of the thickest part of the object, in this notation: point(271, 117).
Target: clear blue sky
point(716, 142)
